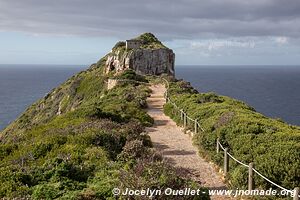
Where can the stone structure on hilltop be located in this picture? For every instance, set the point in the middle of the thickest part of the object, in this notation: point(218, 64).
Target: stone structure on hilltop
point(133, 44)
point(146, 55)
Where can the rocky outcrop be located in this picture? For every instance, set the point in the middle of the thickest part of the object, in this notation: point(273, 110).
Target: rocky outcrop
point(154, 62)
point(151, 58)
point(111, 83)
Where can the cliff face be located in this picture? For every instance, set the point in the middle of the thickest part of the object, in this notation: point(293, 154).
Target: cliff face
point(151, 58)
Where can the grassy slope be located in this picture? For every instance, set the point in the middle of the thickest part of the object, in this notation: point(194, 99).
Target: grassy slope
point(272, 145)
point(149, 41)
point(96, 143)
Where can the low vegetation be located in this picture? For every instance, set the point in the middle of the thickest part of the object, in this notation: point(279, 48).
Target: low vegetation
point(149, 41)
point(81, 140)
point(273, 146)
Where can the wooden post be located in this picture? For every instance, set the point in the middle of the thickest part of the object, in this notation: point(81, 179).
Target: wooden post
point(296, 193)
point(181, 114)
point(196, 126)
point(250, 177)
point(226, 161)
point(184, 120)
point(218, 146)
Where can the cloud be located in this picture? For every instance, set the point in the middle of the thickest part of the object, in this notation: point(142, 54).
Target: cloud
point(212, 45)
point(281, 40)
point(169, 19)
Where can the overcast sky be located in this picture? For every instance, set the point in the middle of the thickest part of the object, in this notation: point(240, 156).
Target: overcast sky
point(204, 32)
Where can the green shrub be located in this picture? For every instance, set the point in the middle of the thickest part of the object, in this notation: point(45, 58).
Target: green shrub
point(272, 145)
point(46, 191)
point(76, 141)
point(157, 175)
point(119, 45)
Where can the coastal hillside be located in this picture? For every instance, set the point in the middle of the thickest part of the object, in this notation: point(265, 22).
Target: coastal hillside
point(82, 139)
point(272, 145)
point(107, 127)
point(86, 88)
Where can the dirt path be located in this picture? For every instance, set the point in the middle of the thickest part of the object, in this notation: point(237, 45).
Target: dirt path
point(176, 147)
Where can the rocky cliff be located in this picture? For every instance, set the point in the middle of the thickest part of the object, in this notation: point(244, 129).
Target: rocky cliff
point(150, 58)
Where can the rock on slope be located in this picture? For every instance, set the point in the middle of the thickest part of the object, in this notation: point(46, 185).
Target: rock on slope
point(150, 57)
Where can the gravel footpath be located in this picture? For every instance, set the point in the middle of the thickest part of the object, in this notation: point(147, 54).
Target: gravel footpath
point(176, 147)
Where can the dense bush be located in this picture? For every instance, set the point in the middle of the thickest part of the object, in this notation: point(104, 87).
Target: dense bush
point(271, 144)
point(157, 175)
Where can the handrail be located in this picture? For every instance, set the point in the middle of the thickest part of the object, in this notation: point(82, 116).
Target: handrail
point(174, 104)
point(190, 118)
point(265, 178)
point(236, 160)
point(220, 145)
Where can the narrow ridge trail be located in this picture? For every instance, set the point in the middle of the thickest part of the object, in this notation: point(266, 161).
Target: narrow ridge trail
point(177, 148)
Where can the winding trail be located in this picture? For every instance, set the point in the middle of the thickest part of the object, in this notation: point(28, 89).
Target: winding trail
point(177, 148)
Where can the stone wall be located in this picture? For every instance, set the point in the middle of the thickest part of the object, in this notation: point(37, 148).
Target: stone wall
point(133, 44)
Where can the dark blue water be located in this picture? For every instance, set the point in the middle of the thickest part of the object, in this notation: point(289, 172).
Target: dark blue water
point(21, 85)
point(271, 90)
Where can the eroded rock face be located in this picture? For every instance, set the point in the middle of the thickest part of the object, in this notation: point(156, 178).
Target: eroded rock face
point(153, 62)
point(142, 61)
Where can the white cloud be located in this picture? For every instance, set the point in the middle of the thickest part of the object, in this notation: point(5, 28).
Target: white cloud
point(212, 45)
point(281, 40)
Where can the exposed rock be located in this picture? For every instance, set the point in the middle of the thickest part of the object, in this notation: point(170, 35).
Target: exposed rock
point(111, 83)
point(154, 62)
point(150, 58)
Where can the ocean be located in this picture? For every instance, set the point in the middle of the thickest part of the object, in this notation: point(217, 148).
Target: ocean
point(21, 85)
point(271, 90)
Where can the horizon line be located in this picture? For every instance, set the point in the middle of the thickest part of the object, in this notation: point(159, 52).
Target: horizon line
point(175, 64)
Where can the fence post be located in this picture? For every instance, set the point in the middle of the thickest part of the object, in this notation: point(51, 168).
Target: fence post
point(226, 161)
point(196, 126)
point(296, 193)
point(184, 120)
point(181, 115)
point(218, 146)
point(250, 177)
point(166, 94)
